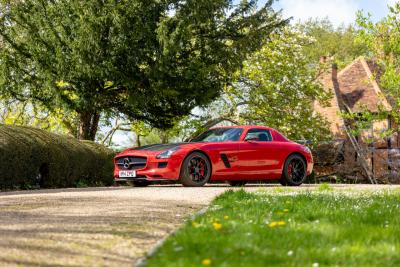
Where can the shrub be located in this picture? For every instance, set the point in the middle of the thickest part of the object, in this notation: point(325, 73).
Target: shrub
point(31, 157)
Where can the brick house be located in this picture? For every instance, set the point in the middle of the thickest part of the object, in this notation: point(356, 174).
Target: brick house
point(356, 89)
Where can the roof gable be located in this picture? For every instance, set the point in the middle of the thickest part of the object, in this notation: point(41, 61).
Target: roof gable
point(359, 90)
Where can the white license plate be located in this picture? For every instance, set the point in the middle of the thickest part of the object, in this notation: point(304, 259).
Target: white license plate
point(127, 174)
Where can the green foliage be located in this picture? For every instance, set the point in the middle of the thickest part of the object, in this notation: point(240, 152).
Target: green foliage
point(339, 43)
point(325, 187)
point(28, 113)
point(325, 228)
point(362, 122)
point(383, 41)
point(151, 60)
point(30, 156)
point(279, 88)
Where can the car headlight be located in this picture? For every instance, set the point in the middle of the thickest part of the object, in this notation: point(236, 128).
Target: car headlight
point(167, 153)
point(307, 149)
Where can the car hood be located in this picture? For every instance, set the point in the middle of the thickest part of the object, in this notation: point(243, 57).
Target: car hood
point(149, 149)
point(158, 147)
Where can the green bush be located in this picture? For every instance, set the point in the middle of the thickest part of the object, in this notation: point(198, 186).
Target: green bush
point(31, 157)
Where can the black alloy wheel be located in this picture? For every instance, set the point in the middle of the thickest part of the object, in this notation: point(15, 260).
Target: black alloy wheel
point(196, 170)
point(294, 171)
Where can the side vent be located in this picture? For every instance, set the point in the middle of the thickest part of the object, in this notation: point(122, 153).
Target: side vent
point(225, 160)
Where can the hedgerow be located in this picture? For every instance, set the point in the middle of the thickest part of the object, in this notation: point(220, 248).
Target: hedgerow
point(32, 157)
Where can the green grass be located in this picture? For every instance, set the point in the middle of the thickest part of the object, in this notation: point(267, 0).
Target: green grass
point(320, 228)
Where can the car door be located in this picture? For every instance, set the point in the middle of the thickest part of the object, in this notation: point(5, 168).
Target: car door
point(224, 158)
point(257, 155)
point(222, 147)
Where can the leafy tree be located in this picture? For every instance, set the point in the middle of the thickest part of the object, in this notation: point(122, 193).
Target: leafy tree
point(14, 112)
point(280, 88)
point(277, 88)
point(383, 40)
point(306, 43)
point(152, 60)
point(339, 43)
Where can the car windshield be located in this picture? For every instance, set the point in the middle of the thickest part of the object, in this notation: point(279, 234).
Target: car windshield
point(219, 135)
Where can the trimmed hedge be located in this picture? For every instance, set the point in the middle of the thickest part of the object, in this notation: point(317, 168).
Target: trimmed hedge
point(32, 157)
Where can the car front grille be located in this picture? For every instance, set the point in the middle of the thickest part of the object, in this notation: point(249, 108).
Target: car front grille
point(131, 163)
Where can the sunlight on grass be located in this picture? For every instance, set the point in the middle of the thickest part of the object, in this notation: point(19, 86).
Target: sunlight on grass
point(325, 187)
point(320, 228)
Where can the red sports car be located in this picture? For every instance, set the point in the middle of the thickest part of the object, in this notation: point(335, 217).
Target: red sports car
point(234, 154)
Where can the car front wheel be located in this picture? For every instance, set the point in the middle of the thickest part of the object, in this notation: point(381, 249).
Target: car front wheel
point(196, 170)
point(294, 171)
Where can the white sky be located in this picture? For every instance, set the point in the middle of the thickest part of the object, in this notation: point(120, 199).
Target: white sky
point(338, 11)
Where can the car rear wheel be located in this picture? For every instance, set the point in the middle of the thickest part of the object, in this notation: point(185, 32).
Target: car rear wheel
point(294, 171)
point(196, 170)
point(237, 183)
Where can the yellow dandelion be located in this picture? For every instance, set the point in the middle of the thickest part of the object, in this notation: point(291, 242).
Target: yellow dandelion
point(226, 217)
point(272, 224)
point(217, 226)
point(275, 224)
point(206, 262)
point(286, 210)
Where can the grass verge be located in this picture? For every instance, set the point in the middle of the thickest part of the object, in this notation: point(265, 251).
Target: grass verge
point(319, 228)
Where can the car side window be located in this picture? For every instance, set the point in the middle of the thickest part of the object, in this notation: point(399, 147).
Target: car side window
point(259, 135)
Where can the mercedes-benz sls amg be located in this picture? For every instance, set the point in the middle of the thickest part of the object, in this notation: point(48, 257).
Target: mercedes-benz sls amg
point(237, 155)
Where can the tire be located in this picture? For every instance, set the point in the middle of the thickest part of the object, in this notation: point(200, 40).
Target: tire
point(237, 183)
point(138, 183)
point(294, 171)
point(195, 170)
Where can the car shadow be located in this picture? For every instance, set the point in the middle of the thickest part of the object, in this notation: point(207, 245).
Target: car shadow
point(119, 188)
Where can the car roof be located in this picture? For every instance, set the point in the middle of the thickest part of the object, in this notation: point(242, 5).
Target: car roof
point(244, 127)
point(277, 136)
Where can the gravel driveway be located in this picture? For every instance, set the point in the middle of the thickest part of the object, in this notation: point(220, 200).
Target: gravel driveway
point(96, 226)
point(93, 226)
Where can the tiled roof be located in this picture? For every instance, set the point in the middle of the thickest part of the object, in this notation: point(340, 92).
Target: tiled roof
point(331, 112)
point(357, 87)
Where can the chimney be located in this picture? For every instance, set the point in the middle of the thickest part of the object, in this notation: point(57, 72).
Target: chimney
point(334, 71)
point(323, 59)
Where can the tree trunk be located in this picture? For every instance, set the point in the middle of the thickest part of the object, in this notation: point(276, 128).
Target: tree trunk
point(164, 137)
point(88, 125)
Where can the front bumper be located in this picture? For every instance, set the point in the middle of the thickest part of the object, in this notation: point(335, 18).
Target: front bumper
point(310, 167)
point(155, 169)
point(310, 164)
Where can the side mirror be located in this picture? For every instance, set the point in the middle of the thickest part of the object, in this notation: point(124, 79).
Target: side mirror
point(305, 142)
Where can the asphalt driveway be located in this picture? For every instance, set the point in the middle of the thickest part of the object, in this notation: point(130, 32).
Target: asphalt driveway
point(97, 226)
